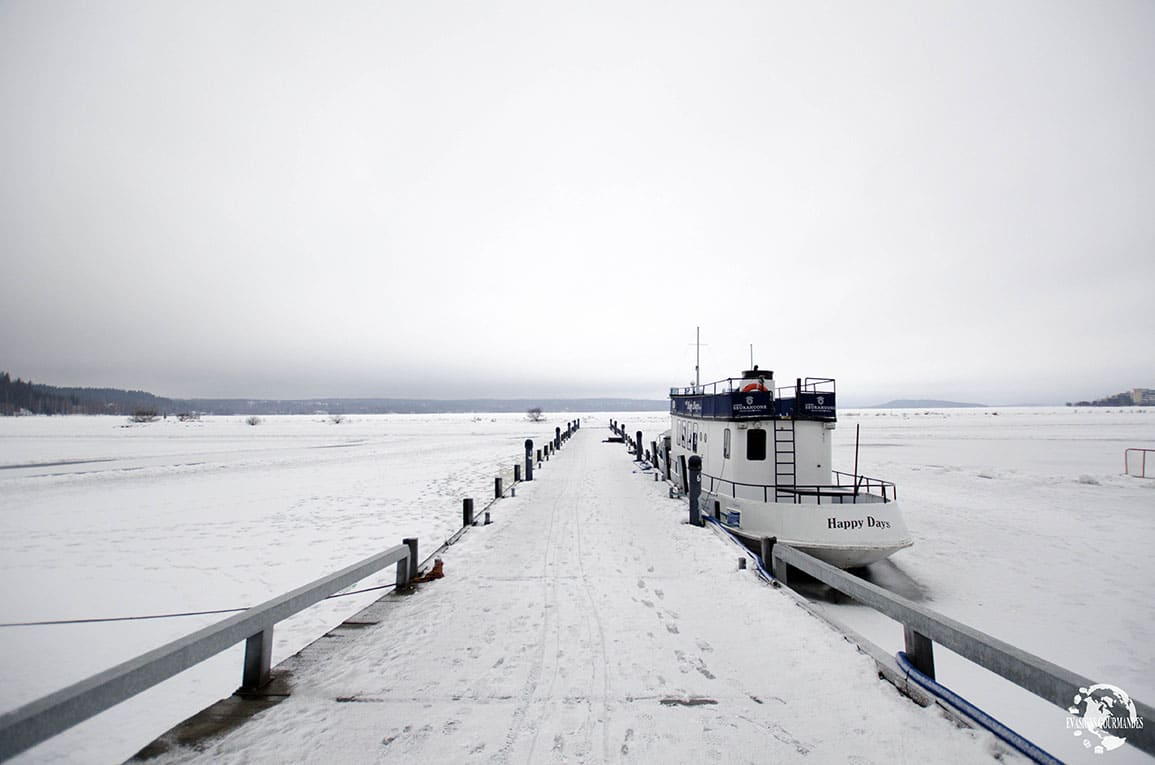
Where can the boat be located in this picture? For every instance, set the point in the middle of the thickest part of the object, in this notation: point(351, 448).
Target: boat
point(766, 468)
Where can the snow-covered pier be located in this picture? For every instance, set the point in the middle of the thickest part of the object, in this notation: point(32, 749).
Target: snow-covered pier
point(588, 622)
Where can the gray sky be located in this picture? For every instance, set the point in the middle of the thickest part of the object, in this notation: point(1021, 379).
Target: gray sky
point(448, 199)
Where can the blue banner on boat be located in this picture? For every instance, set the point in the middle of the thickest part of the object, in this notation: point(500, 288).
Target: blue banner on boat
point(754, 405)
point(817, 405)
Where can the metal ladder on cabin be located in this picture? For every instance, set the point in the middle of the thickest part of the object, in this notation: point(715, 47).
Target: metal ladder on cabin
point(785, 456)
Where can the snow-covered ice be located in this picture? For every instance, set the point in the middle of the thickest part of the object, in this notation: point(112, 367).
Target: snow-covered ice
point(1025, 527)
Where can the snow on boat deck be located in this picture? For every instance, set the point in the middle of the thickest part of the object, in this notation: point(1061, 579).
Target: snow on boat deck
point(590, 623)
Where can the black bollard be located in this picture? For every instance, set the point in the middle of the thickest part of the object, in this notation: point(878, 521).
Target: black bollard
point(497, 492)
point(638, 447)
point(467, 512)
point(517, 473)
point(695, 490)
point(529, 459)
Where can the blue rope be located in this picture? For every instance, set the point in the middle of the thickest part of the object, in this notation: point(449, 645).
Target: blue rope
point(1016, 740)
point(761, 564)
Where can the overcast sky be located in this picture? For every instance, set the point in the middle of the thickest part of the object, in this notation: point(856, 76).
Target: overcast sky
point(450, 199)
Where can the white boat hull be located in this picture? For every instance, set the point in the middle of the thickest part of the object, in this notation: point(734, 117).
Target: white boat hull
point(844, 535)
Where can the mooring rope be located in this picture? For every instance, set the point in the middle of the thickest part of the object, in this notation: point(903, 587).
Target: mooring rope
point(104, 619)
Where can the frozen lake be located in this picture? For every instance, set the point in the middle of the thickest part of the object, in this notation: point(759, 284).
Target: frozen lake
point(1024, 527)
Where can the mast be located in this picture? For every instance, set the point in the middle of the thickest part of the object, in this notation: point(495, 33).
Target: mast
point(698, 358)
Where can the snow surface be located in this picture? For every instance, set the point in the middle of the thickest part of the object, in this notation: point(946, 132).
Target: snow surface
point(173, 517)
point(590, 623)
point(1024, 526)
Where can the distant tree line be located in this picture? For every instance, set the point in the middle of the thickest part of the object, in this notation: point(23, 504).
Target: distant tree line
point(24, 396)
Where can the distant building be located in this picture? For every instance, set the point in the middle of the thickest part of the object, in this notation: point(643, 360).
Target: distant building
point(1143, 396)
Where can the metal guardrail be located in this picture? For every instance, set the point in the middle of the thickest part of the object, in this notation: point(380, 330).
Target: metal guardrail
point(39, 720)
point(923, 627)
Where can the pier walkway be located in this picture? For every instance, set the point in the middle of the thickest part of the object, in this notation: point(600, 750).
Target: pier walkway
point(589, 623)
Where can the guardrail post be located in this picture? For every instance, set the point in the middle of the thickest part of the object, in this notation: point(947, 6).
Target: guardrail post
point(529, 459)
point(920, 651)
point(666, 458)
point(410, 567)
point(467, 512)
point(767, 552)
point(517, 473)
point(780, 569)
point(258, 660)
point(685, 474)
point(539, 459)
point(557, 437)
point(497, 491)
point(638, 447)
point(654, 452)
point(695, 490)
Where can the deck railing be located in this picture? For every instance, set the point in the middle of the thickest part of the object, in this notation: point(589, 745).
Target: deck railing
point(849, 489)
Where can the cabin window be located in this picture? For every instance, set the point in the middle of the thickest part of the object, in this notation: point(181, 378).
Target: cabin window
point(756, 444)
point(726, 443)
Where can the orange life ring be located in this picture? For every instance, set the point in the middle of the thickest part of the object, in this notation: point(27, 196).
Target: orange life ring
point(754, 386)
